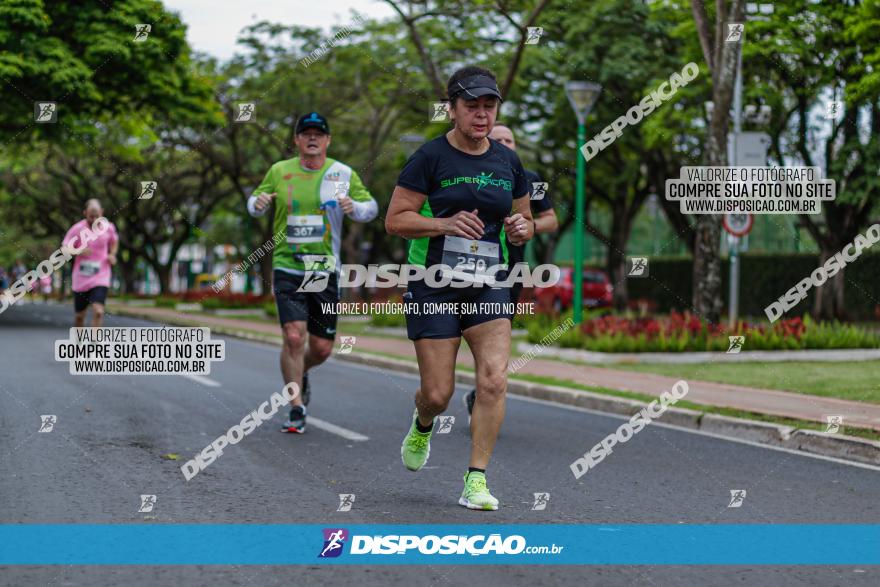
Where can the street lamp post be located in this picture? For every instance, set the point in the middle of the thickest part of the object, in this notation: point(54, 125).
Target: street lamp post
point(582, 96)
point(411, 142)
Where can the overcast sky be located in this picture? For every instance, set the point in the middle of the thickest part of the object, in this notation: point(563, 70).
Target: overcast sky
point(212, 27)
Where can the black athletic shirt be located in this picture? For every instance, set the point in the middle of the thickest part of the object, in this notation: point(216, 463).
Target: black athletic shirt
point(454, 181)
point(517, 253)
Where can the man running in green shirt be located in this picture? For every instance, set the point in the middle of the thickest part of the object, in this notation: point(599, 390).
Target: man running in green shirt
point(312, 194)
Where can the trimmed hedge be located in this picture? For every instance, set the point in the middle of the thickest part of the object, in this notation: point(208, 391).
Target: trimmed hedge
point(685, 332)
point(763, 279)
point(228, 300)
point(166, 302)
point(233, 301)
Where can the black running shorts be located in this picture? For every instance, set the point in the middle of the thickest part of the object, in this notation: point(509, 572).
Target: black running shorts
point(82, 299)
point(296, 305)
point(429, 321)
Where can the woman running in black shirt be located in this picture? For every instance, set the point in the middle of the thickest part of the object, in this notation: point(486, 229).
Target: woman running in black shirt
point(461, 199)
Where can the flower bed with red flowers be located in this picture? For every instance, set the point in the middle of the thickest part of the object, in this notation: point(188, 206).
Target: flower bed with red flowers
point(684, 332)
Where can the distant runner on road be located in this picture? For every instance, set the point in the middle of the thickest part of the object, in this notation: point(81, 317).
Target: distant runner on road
point(92, 266)
point(313, 194)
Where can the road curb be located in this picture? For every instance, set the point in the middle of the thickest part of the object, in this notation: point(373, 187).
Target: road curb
point(763, 432)
point(839, 445)
point(831, 445)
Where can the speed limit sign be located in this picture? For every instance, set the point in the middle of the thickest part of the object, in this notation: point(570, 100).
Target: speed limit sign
point(738, 224)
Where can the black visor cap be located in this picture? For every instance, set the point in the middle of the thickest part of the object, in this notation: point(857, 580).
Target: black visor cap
point(471, 88)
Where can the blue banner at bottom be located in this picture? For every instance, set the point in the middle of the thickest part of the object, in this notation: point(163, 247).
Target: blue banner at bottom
point(357, 544)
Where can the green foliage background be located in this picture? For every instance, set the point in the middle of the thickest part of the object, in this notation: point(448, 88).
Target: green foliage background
point(129, 112)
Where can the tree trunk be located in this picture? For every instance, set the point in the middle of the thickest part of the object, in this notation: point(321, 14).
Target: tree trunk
point(616, 264)
point(617, 270)
point(65, 279)
point(351, 254)
point(707, 240)
point(828, 300)
point(842, 225)
point(350, 244)
point(721, 57)
point(127, 269)
point(268, 228)
point(707, 270)
point(164, 273)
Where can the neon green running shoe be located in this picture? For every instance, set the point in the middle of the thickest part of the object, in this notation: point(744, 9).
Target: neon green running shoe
point(476, 495)
point(416, 446)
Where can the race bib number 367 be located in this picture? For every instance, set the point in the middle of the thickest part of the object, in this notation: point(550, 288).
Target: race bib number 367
point(305, 229)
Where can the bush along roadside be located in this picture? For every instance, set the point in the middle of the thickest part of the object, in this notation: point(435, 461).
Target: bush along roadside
point(684, 332)
point(166, 302)
point(271, 309)
point(389, 319)
point(207, 298)
point(765, 276)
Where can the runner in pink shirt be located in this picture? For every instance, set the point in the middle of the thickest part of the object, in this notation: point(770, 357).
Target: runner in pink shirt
point(91, 268)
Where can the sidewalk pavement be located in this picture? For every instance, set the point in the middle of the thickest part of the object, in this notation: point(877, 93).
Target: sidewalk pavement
point(812, 355)
point(764, 401)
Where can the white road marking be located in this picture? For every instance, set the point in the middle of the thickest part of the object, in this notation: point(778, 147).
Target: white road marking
point(200, 379)
point(312, 421)
point(334, 429)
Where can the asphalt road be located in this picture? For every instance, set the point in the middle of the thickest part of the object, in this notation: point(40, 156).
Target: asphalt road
point(111, 434)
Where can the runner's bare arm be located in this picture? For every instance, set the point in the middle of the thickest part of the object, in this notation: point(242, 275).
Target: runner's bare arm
point(546, 222)
point(403, 218)
point(114, 248)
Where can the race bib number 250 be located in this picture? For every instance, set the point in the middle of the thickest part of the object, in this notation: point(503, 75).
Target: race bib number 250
point(470, 260)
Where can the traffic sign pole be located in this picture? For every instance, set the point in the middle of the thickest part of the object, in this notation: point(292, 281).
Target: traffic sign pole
point(733, 307)
point(737, 226)
point(733, 310)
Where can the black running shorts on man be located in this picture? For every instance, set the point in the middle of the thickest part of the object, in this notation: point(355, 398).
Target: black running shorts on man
point(454, 181)
point(311, 307)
